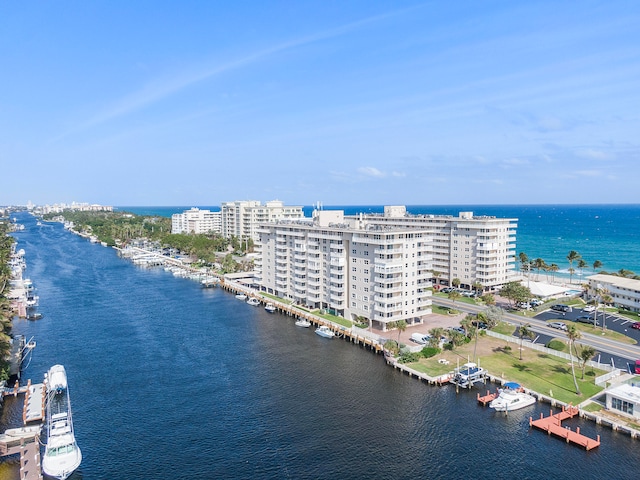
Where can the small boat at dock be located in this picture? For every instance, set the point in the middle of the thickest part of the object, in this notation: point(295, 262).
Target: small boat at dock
point(254, 302)
point(468, 374)
point(241, 296)
point(511, 397)
point(270, 307)
point(325, 331)
point(303, 322)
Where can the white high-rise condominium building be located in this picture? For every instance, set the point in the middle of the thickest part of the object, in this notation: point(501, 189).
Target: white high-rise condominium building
point(477, 250)
point(381, 267)
point(353, 268)
point(241, 218)
point(196, 221)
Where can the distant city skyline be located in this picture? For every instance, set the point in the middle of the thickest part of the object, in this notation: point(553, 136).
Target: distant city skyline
point(344, 103)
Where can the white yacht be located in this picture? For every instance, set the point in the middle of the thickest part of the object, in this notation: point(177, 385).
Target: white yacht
point(62, 455)
point(510, 398)
point(270, 307)
point(325, 331)
point(254, 302)
point(241, 296)
point(303, 322)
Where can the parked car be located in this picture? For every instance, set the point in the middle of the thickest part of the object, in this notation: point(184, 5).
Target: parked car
point(636, 325)
point(420, 338)
point(480, 325)
point(558, 325)
point(536, 302)
point(589, 309)
point(587, 319)
point(637, 366)
point(558, 307)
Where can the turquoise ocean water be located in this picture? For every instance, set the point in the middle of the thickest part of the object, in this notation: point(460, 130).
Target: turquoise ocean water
point(607, 233)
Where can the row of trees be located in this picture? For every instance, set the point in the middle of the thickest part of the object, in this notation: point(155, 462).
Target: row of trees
point(122, 227)
point(6, 313)
point(527, 265)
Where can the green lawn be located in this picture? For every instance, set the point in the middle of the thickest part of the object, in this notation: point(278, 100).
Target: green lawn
point(546, 374)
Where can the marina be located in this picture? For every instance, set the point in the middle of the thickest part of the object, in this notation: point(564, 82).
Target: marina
point(214, 317)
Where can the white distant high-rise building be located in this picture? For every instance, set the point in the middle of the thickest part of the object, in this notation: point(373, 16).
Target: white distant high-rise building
point(241, 218)
point(196, 221)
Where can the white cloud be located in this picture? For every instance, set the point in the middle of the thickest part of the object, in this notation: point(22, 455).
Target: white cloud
point(594, 154)
point(372, 172)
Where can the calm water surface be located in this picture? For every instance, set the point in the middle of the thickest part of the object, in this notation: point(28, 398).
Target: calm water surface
point(172, 381)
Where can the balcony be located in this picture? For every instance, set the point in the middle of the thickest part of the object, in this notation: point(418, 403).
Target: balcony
point(388, 251)
point(383, 289)
point(387, 268)
point(337, 262)
point(386, 308)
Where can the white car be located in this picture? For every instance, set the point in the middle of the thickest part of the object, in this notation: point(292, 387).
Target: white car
point(558, 325)
point(589, 308)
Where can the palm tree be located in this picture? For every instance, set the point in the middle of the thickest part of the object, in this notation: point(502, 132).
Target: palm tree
point(401, 325)
point(477, 286)
point(455, 282)
point(586, 353)
point(606, 300)
point(553, 268)
point(625, 273)
point(524, 262)
point(581, 265)
point(538, 263)
point(596, 265)
point(524, 331)
point(572, 257)
point(574, 334)
point(453, 295)
point(436, 334)
point(436, 276)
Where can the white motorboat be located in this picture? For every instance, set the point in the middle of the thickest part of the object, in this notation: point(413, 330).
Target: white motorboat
point(241, 296)
point(325, 331)
point(62, 455)
point(254, 302)
point(303, 322)
point(270, 307)
point(468, 374)
point(510, 398)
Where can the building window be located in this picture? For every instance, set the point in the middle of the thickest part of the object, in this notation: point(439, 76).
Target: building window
point(622, 406)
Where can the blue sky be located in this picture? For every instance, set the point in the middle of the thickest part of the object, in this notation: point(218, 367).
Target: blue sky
point(342, 102)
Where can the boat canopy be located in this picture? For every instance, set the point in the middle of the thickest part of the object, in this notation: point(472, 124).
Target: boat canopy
point(512, 385)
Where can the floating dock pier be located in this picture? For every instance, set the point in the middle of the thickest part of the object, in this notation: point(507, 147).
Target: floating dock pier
point(553, 425)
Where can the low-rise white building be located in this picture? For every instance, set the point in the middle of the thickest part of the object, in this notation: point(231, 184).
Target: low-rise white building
point(624, 399)
point(625, 292)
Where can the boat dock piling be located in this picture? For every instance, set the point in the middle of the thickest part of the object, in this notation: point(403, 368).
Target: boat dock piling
point(553, 425)
point(341, 332)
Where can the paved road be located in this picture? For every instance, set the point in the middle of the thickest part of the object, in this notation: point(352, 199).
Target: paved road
point(622, 355)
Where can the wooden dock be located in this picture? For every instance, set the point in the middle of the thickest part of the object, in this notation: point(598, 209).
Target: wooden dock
point(24, 442)
point(484, 399)
point(553, 425)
